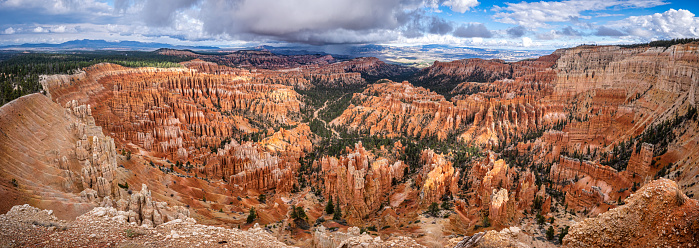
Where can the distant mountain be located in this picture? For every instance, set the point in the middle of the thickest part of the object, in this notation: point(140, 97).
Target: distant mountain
point(415, 56)
point(102, 45)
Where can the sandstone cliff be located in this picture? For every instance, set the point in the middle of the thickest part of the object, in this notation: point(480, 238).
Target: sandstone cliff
point(53, 153)
point(359, 181)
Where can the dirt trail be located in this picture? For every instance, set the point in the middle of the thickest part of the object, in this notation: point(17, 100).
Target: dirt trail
point(315, 116)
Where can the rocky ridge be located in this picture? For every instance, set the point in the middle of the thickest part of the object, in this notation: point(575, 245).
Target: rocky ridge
point(658, 214)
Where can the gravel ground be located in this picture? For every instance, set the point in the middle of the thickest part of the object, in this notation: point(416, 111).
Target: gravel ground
point(26, 226)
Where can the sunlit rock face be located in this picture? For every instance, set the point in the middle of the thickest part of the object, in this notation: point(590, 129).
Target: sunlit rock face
point(53, 151)
point(359, 180)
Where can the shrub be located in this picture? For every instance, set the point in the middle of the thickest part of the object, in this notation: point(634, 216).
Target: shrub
point(131, 233)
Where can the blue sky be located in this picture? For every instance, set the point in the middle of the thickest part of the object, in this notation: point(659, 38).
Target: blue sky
point(238, 23)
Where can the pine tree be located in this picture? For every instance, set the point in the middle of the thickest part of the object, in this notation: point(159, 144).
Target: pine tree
point(337, 214)
point(563, 233)
point(293, 214)
point(300, 213)
point(549, 233)
point(330, 208)
point(433, 209)
point(297, 212)
point(252, 216)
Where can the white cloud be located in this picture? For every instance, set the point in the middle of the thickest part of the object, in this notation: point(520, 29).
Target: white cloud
point(551, 35)
point(342, 21)
point(58, 29)
point(461, 6)
point(9, 30)
point(669, 24)
point(539, 14)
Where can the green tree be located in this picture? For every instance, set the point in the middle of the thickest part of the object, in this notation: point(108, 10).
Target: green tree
point(486, 221)
point(446, 205)
point(252, 216)
point(540, 219)
point(549, 233)
point(262, 198)
point(330, 208)
point(538, 202)
point(297, 212)
point(300, 213)
point(433, 209)
point(563, 233)
point(337, 214)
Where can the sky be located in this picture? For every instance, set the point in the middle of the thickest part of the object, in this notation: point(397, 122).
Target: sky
point(239, 23)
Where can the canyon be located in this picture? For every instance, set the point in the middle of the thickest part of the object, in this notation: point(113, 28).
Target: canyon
point(596, 142)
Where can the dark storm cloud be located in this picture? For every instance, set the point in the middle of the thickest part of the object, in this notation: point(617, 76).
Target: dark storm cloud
point(569, 31)
point(516, 32)
point(307, 21)
point(412, 25)
point(162, 12)
point(439, 26)
point(605, 31)
point(473, 30)
point(300, 20)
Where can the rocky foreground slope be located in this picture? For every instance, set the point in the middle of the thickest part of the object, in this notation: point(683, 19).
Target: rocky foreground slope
point(659, 214)
point(26, 226)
